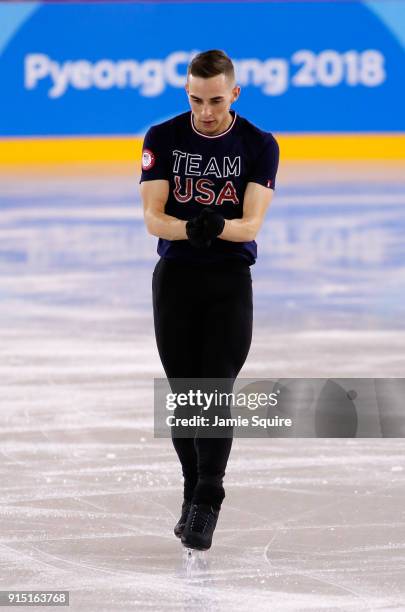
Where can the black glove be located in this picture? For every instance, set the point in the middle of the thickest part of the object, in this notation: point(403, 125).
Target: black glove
point(203, 229)
point(196, 234)
point(212, 221)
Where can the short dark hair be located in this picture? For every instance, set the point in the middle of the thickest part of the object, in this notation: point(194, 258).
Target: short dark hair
point(211, 63)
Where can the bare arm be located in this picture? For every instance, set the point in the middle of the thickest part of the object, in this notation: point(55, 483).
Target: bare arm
point(255, 204)
point(154, 195)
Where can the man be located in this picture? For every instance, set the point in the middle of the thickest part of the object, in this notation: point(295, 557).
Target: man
point(208, 177)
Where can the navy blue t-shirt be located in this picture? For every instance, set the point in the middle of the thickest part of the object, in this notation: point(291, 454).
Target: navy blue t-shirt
point(211, 171)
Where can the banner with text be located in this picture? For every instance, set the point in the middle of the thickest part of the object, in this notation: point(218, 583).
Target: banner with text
point(84, 69)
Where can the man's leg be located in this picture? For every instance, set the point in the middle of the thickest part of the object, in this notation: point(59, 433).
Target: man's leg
point(227, 340)
point(174, 315)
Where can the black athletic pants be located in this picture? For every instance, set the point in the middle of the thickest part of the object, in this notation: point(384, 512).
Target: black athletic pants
point(203, 324)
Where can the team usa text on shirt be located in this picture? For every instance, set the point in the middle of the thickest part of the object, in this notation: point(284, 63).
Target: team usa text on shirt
point(188, 166)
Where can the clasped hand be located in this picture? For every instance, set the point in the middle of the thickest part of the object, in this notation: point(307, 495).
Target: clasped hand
point(201, 230)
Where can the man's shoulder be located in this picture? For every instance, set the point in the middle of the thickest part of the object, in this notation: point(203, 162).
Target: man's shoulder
point(254, 133)
point(168, 125)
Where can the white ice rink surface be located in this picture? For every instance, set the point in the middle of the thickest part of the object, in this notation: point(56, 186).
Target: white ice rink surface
point(90, 497)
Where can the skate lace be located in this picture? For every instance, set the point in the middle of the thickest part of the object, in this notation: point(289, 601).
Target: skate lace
point(200, 520)
point(184, 513)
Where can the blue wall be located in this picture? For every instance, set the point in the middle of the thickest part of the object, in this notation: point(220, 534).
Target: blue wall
point(118, 68)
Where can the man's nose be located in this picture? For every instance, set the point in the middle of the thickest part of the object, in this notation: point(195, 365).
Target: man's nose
point(206, 111)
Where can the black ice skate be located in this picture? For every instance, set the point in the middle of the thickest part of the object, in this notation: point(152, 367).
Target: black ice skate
point(179, 527)
point(200, 526)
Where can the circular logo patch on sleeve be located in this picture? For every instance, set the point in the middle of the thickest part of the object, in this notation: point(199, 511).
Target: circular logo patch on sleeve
point(148, 159)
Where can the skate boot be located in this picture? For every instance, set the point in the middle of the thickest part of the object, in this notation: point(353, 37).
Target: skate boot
point(199, 527)
point(179, 527)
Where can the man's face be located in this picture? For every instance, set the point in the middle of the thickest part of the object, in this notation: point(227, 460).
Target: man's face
point(210, 100)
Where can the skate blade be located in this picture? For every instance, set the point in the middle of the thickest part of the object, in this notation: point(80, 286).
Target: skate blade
point(194, 552)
